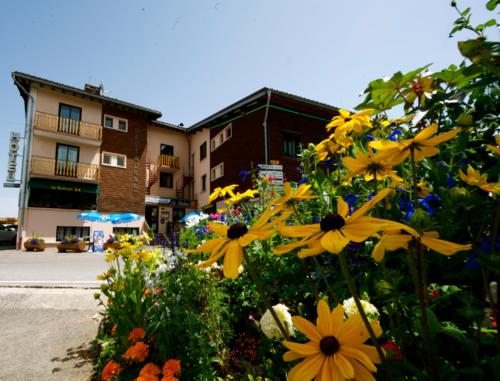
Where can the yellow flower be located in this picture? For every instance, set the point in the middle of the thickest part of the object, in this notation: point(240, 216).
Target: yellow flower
point(423, 189)
point(238, 197)
point(222, 192)
point(475, 178)
point(232, 239)
point(335, 350)
point(420, 89)
point(496, 148)
point(391, 240)
point(370, 166)
point(303, 192)
point(336, 230)
point(431, 241)
point(325, 148)
point(397, 122)
point(423, 145)
point(346, 122)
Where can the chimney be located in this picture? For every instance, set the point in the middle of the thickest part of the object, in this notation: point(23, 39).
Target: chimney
point(92, 89)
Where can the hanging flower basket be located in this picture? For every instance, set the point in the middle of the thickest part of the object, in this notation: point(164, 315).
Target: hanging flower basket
point(35, 244)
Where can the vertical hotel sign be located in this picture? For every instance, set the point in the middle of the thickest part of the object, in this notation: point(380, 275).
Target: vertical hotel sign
point(10, 181)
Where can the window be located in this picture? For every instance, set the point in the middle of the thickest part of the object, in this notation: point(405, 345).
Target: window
point(69, 119)
point(204, 183)
point(203, 151)
point(166, 149)
point(114, 160)
point(60, 199)
point(73, 231)
point(221, 137)
point(131, 231)
point(291, 144)
point(217, 172)
point(166, 180)
point(116, 123)
point(66, 160)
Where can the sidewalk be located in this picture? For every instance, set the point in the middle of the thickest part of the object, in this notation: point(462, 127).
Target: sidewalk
point(48, 314)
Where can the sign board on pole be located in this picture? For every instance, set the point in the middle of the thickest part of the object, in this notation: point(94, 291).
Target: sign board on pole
point(272, 171)
point(11, 164)
point(270, 167)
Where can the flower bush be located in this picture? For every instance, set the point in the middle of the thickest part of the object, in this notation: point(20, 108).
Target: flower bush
point(384, 252)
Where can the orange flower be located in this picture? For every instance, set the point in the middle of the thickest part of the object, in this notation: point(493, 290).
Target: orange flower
point(139, 351)
point(172, 368)
point(136, 334)
point(150, 369)
point(169, 378)
point(111, 370)
point(113, 330)
point(147, 377)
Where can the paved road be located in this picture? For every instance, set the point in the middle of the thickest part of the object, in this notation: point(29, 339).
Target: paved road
point(48, 315)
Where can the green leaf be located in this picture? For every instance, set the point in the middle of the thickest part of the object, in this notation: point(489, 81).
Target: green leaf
point(492, 4)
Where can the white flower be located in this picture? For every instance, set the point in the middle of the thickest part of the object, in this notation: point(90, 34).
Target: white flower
point(350, 309)
point(269, 326)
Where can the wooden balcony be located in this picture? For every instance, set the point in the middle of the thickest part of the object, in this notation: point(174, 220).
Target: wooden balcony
point(168, 162)
point(66, 126)
point(44, 166)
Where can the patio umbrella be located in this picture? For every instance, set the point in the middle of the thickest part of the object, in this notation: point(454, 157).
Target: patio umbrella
point(121, 218)
point(92, 216)
point(189, 216)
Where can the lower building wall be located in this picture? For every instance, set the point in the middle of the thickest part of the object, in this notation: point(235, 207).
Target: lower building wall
point(43, 223)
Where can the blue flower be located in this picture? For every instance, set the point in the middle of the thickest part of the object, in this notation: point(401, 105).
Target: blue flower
point(394, 135)
point(463, 162)
point(351, 199)
point(244, 173)
point(430, 203)
point(472, 263)
point(407, 207)
point(449, 181)
point(369, 137)
point(329, 164)
point(370, 196)
point(315, 219)
point(303, 180)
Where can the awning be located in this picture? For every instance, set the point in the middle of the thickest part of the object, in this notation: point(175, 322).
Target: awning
point(67, 186)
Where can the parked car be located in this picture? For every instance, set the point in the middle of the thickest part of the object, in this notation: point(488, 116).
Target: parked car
point(8, 235)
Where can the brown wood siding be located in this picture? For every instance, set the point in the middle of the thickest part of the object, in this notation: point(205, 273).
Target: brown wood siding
point(246, 146)
point(123, 189)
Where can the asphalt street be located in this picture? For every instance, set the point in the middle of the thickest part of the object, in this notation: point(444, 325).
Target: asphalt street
point(48, 315)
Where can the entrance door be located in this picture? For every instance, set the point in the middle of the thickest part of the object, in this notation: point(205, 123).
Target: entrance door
point(152, 218)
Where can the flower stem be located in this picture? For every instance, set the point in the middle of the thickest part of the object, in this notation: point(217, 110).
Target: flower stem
point(264, 297)
point(413, 175)
point(352, 289)
point(325, 281)
point(422, 299)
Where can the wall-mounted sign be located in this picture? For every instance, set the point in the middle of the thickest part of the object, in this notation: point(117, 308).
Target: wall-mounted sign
point(157, 200)
point(11, 164)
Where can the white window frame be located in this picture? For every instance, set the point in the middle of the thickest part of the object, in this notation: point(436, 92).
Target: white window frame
point(217, 172)
point(114, 159)
point(221, 137)
point(116, 123)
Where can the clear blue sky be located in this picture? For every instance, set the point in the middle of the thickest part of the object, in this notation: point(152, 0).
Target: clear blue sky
point(190, 58)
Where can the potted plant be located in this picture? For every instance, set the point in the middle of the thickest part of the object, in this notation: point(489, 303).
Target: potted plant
point(71, 244)
point(34, 243)
point(113, 243)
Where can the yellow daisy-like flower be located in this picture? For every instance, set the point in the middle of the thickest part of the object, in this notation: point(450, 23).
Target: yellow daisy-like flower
point(238, 197)
point(391, 240)
point(475, 178)
point(222, 192)
point(495, 148)
point(336, 350)
point(325, 148)
point(346, 122)
point(420, 89)
point(232, 239)
point(336, 230)
point(423, 145)
point(293, 196)
point(397, 122)
point(370, 166)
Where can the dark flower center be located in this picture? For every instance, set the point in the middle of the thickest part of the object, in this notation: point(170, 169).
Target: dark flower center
point(348, 119)
point(332, 221)
point(236, 231)
point(329, 345)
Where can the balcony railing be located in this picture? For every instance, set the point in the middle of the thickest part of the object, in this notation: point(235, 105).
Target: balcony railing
point(44, 166)
point(54, 123)
point(168, 161)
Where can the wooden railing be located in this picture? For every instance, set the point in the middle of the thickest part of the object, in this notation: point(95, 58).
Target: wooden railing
point(49, 122)
point(168, 161)
point(45, 166)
